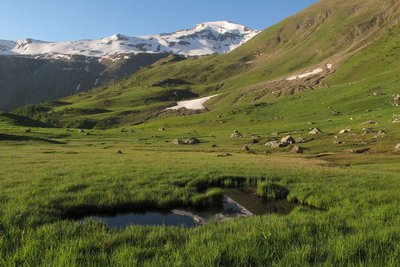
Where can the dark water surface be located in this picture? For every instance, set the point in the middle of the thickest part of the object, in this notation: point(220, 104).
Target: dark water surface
point(244, 196)
point(248, 198)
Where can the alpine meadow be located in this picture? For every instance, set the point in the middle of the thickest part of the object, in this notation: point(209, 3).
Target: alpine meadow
point(215, 146)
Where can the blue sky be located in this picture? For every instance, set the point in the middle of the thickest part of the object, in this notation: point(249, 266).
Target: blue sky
point(56, 20)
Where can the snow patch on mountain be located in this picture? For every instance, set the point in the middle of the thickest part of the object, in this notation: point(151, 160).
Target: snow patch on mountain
point(195, 104)
point(310, 73)
point(206, 38)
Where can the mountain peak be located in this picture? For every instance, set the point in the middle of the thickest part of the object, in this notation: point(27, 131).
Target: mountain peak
point(222, 26)
point(217, 37)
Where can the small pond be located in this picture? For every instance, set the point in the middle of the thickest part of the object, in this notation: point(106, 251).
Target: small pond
point(237, 202)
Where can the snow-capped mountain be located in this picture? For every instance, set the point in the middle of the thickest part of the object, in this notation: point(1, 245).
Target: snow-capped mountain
point(33, 71)
point(206, 38)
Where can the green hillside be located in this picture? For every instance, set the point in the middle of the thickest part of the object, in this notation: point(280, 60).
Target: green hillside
point(341, 33)
point(115, 152)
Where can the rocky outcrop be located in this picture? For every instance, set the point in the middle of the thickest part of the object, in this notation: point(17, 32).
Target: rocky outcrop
point(28, 80)
point(297, 149)
point(236, 134)
point(288, 140)
point(315, 131)
point(397, 148)
point(188, 141)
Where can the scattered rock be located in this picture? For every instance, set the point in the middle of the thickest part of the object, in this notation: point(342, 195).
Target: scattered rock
point(28, 130)
point(335, 113)
point(213, 145)
point(369, 123)
point(397, 148)
point(81, 131)
point(276, 144)
point(236, 134)
point(338, 142)
point(223, 154)
point(377, 93)
point(381, 134)
point(191, 141)
point(246, 148)
point(177, 142)
point(188, 141)
point(119, 152)
point(87, 133)
point(360, 150)
point(123, 130)
point(161, 129)
point(272, 144)
point(297, 149)
point(288, 140)
point(368, 130)
point(345, 131)
point(396, 120)
point(315, 131)
point(396, 100)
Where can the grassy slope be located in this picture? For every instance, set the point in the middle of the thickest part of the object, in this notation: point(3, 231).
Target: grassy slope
point(358, 191)
point(328, 32)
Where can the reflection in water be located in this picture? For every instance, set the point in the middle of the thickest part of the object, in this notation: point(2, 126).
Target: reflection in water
point(245, 197)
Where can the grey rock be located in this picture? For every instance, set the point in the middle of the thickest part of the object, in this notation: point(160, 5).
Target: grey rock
point(397, 148)
point(297, 149)
point(396, 100)
point(369, 123)
point(236, 134)
point(177, 142)
point(191, 141)
point(223, 154)
point(345, 131)
point(315, 131)
point(288, 139)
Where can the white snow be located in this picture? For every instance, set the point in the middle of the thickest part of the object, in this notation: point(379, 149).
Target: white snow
point(310, 73)
point(78, 87)
point(195, 104)
point(206, 38)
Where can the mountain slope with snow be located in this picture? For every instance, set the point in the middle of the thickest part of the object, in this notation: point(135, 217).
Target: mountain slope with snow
point(206, 38)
